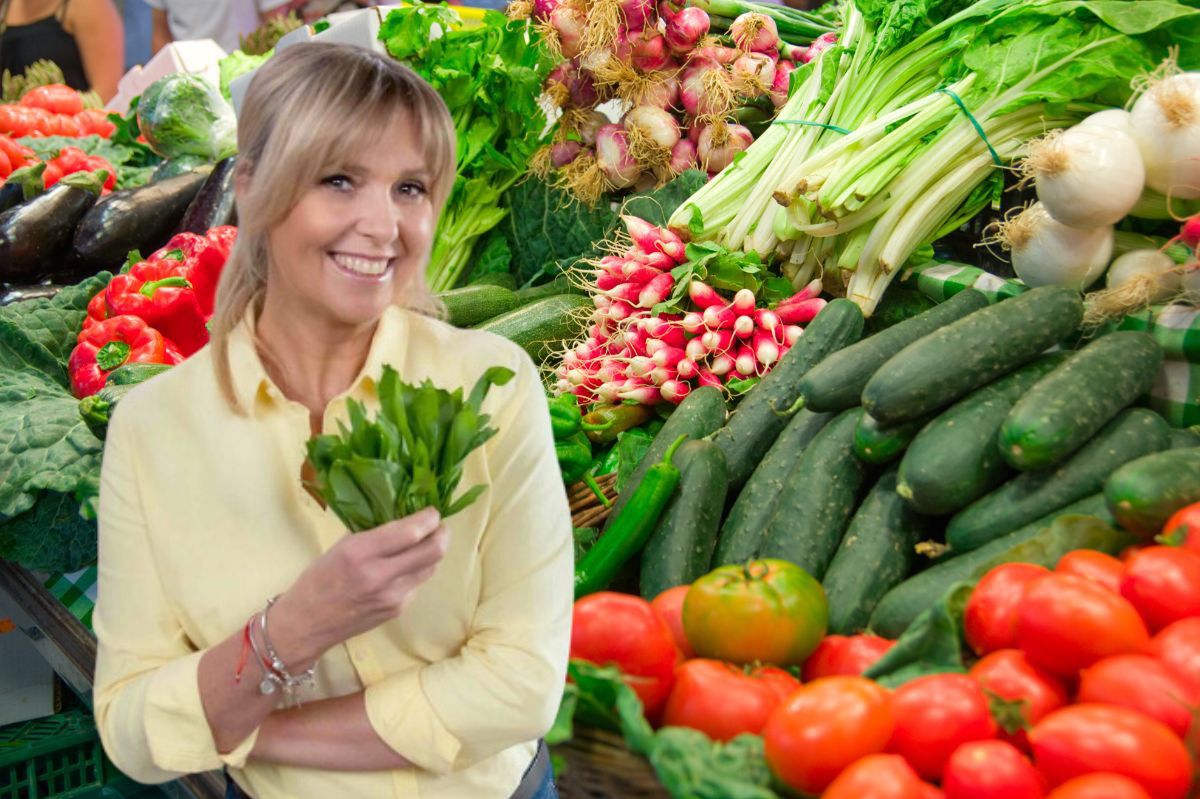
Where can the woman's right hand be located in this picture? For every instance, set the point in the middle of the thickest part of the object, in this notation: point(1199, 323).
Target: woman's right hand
point(362, 581)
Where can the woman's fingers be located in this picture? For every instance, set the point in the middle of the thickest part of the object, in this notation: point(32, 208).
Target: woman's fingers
point(400, 535)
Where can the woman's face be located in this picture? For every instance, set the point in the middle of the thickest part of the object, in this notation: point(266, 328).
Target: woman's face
point(358, 236)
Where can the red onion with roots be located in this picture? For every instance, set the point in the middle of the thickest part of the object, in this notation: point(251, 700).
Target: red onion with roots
point(755, 33)
point(720, 142)
point(686, 29)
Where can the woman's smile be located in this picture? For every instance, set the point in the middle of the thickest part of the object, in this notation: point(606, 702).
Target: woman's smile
point(373, 268)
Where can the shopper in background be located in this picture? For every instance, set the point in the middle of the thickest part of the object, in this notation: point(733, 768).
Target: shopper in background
point(220, 20)
point(83, 37)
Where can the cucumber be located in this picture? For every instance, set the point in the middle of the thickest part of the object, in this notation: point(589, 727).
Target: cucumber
point(765, 411)
point(701, 414)
point(560, 285)
point(1030, 495)
point(880, 443)
point(1184, 437)
point(742, 533)
point(681, 547)
point(820, 496)
point(477, 303)
point(1144, 493)
point(954, 460)
point(950, 362)
point(877, 554)
point(1066, 407)
point(542, 325)
point(837, 383)
point(1040, 542)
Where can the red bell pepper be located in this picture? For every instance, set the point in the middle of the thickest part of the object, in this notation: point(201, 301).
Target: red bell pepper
point(158, 291)
point(97, 312)
point(113, 343)
point(204, 258)
point(71, 160)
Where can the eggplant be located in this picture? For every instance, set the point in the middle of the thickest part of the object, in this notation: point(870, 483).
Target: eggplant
point(36, 237)
point(213, 206)
point(20, 293)
point(22, 186)
point(133, 219)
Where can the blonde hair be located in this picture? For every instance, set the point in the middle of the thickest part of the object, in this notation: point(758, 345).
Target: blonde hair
point(304, 110)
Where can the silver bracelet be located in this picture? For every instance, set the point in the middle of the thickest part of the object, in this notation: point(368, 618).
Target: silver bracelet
point(277, 676)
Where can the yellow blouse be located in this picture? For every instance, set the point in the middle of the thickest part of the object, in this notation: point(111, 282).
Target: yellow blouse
point(203, 517)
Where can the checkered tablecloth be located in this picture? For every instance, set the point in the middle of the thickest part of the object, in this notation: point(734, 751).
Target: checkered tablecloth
point(1176, 392)
point(77, 592)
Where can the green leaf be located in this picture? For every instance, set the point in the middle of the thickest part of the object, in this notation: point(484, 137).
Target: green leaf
point(495, 376)
point(691, 765)
point(347, 499)
point(41, 333)
point(632, 446)
point(932, 644)
point(51, 536)
point(563, 728)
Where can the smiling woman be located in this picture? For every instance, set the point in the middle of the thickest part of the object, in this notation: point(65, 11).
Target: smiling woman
point(429, 653)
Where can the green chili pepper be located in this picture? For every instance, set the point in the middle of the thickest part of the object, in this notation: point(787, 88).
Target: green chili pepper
point(574, 457)
point(607, 422)
point(565, 418)
point(628, 532)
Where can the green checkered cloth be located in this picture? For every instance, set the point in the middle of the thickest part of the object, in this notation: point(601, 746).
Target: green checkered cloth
point(77, 591)
point(1176, 392)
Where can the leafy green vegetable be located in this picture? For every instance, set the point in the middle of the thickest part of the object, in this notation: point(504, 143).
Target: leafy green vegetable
point(237, 64)
point(490, 77)
point(134, 163)
point(51, 536)
point(409, 457)
point(932, 644)
point(493, 257)
point(183, 114)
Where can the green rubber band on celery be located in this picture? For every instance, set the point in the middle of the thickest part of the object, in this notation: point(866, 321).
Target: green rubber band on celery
point(811, 124)
point(974, 123)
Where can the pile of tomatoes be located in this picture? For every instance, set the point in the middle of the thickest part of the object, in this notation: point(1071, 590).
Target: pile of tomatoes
point(54, 110)
point(1085, 680)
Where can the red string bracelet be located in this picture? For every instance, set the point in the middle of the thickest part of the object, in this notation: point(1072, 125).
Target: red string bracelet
point(245, 655)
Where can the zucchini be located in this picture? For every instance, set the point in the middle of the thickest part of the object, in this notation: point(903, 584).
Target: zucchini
point(681, 547)
point(765, 411)
point(559, 285)
point(701, 414)
point(877, 553)
point(837, 383)
point(816, 504)
point(476, 303)
point(742, 533)
point(954, 460)
point(543, 325)
point(882, 443)
point(502, 279)
point(1144, 493)
point(953, 360)
point(1042, 542)
point(1181, 437)
point(133, 373)
point(1066, 407)
point(1030, 495)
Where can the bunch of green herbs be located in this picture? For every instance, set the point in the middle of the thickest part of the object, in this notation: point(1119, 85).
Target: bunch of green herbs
point(408, 457)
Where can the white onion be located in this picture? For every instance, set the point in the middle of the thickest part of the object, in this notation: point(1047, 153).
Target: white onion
point(1112, 119)
point(1087, 176)
point(1152, 266)
point(1166, 127)
point(1046, 252)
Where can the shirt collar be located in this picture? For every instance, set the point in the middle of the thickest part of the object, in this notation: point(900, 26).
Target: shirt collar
point(254, 388)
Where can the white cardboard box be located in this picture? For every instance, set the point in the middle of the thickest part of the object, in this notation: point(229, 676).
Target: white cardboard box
point(198, 57)
point(28, 688)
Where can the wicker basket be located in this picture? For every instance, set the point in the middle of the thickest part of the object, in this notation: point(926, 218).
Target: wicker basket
point(598, 766)
point(586, 508)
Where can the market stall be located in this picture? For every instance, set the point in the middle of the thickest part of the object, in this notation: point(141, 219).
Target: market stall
point(870, 341)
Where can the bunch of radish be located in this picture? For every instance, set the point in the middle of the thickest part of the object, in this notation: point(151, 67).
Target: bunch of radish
point(632, 354)
point(684, 89)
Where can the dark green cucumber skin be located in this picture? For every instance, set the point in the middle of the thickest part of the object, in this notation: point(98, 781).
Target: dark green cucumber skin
point(1066, 407)
point(950, 362)
point(879, 443)
point(701, 414)
point(765, 411)
point(681, 547)
point(816, 505)
point(837, 383)
point(742, 533)
point(541, 326)
point(1144, 493)
point(876, 554)
point(1184, 438)
point(1031, 495)
point(954, 459)
point(471, 305)
point(902, 604)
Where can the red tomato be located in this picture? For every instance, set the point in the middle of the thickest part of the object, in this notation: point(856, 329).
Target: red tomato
point(1066, 623)
point(1183, 528)
point(97, 122)
point(720, 700)
point(17, 154)
point(841, 655)
point(824, 727)
point(623, 630)
point(6, 166)
point(777, 679)
point(1086, 738)
point(1163, 583)
point(1142, 683)
point(1099, 786)
point(990, 770)
point(990, 618)
point(935, 715)
point(669, 605)
point(768, 611)
point(71, 126)
point(1178, 645)
point(1093, 565)
point(55, 97)
point(877, 777)
point(1028, 690)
